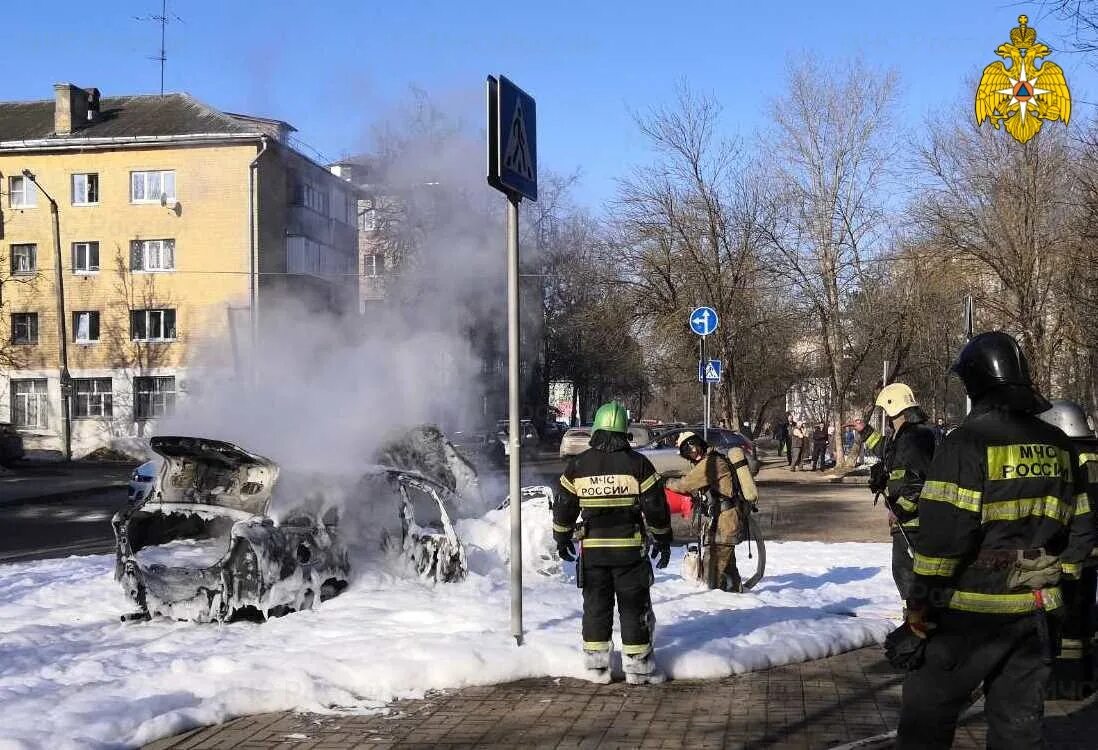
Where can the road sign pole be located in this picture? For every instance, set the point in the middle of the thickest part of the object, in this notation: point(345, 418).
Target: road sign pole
point(705, 392)
point(969, 314)
point(513, 413)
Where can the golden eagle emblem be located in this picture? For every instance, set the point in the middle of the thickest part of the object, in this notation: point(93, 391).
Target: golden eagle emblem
point(1022, 95)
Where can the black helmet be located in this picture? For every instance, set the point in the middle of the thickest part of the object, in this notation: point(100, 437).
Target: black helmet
point(690, 440)
point(992, 360)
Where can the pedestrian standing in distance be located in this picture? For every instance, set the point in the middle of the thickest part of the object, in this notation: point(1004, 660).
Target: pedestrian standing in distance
point(797, 445)
point(1003, 516)
point(1073, 670)
point(782, 435)
point(904, 461)
point(819, 446)
point(617, 496)
point(939, 431)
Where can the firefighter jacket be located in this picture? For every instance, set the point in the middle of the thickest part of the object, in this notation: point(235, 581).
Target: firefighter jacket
point(727, 477)
point(906, 458)
point(1003, 514)
point(1088, 460)
point(615, 494)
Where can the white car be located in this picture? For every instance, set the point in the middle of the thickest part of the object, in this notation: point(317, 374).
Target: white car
point(578, 439)
point(142, 480)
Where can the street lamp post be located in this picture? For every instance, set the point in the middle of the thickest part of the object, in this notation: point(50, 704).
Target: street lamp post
point(62, 326)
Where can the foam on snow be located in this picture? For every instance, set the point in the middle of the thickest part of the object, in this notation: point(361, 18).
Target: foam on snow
point(72, 675)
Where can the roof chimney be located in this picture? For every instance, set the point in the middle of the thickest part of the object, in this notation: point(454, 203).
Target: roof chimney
point(70, 108)
point(93, 104)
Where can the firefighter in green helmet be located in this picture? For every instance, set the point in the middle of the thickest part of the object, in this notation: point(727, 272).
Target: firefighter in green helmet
point(611, 501)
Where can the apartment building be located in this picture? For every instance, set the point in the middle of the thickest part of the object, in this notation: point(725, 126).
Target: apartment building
point(177, 223)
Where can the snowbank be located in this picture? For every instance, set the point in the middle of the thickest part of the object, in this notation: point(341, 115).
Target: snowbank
point(65, 655)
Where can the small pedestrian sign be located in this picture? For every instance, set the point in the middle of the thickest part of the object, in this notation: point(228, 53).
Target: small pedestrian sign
point(703, 320)
point(709, 371)
point(512, 139)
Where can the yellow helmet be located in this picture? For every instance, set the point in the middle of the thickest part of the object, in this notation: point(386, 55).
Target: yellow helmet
point(894, 398)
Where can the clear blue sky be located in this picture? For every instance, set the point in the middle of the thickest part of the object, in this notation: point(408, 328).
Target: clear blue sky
point(334, 67)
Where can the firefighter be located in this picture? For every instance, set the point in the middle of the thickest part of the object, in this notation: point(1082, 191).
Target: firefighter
point(616, 493)
point(1073, 670)
point(1003, 516)
point(727, 482)
point(905, 458)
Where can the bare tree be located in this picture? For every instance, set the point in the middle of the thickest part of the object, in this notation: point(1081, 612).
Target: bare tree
point(833, 149)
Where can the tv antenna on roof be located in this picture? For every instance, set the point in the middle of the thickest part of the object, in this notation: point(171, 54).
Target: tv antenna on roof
point(163, 19)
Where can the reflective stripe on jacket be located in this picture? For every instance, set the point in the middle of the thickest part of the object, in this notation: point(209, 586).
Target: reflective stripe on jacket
point(1003, 515)
point(906, 456)
point(615, 495)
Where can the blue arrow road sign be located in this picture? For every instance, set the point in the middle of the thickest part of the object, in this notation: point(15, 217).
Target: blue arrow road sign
point(703, 320)
point(518, 141)
point(709, 371)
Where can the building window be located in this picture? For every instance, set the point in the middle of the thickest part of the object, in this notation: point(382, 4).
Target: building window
point(150, 187)
point(351, 210)
point(29, 404)
point(375, 264)
point(309, 195)
point(85, 189)
point(152, 325)
point(24, 260)
point(85, 326)
point(152, 255)
point(92, 397)
point(24, 328)
point(85, 257)
point(153, 397)
point(21, 193)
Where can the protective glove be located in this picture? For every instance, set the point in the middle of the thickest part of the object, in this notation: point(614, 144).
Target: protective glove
point(566, 548)
point(662, 550)
point(905, 647)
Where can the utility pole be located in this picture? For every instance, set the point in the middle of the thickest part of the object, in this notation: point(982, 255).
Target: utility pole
point(969, 318)
point(62, 323)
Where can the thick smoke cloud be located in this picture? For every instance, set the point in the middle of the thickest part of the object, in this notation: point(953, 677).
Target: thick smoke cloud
point(325, 391)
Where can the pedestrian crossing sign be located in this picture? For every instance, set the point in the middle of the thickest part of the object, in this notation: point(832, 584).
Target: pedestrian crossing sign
point(709, 371)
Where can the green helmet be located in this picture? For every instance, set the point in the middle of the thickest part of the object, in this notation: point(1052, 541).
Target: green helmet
point(612, 418)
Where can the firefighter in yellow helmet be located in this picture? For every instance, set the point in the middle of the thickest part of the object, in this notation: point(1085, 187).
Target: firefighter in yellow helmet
point(899, 475)
point(728, 485)
point(618, 498)
point(1004, 515)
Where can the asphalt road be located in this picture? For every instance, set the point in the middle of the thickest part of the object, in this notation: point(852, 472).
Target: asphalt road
point(79, 525)
point(792, 506)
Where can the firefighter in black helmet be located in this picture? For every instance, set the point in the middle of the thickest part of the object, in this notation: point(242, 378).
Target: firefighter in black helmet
point(1073, 670)
point(620, 498)
point(1003, 516)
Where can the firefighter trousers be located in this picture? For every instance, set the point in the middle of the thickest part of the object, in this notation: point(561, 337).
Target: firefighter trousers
point(1073, 670)
point(630, 584)
point(903, 566)
point(719, 557)
point(1005, 654)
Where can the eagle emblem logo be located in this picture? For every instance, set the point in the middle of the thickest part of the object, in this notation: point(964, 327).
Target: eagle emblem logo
point(1020, 97)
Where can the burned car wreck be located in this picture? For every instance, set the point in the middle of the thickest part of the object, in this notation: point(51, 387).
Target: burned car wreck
point(428, 540)
point(204, 545)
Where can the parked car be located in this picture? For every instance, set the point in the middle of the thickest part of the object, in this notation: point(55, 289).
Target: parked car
point(577, 439)
point(205, 544)
point(11, 444)
point(663, 451)
point(142, 479)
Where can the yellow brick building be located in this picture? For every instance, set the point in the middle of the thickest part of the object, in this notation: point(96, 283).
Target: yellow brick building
point(177, 223)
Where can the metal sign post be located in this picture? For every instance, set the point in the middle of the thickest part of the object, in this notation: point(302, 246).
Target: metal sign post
point(969, 317)
point(703, 321)
point(512, 169)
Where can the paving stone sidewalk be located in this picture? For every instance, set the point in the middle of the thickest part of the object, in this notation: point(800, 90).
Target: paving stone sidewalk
point(819, 704)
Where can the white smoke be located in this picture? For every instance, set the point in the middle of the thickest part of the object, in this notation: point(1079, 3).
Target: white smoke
point(326, 391)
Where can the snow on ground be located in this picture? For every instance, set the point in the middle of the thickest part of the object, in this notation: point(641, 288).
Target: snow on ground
point(72, 675)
